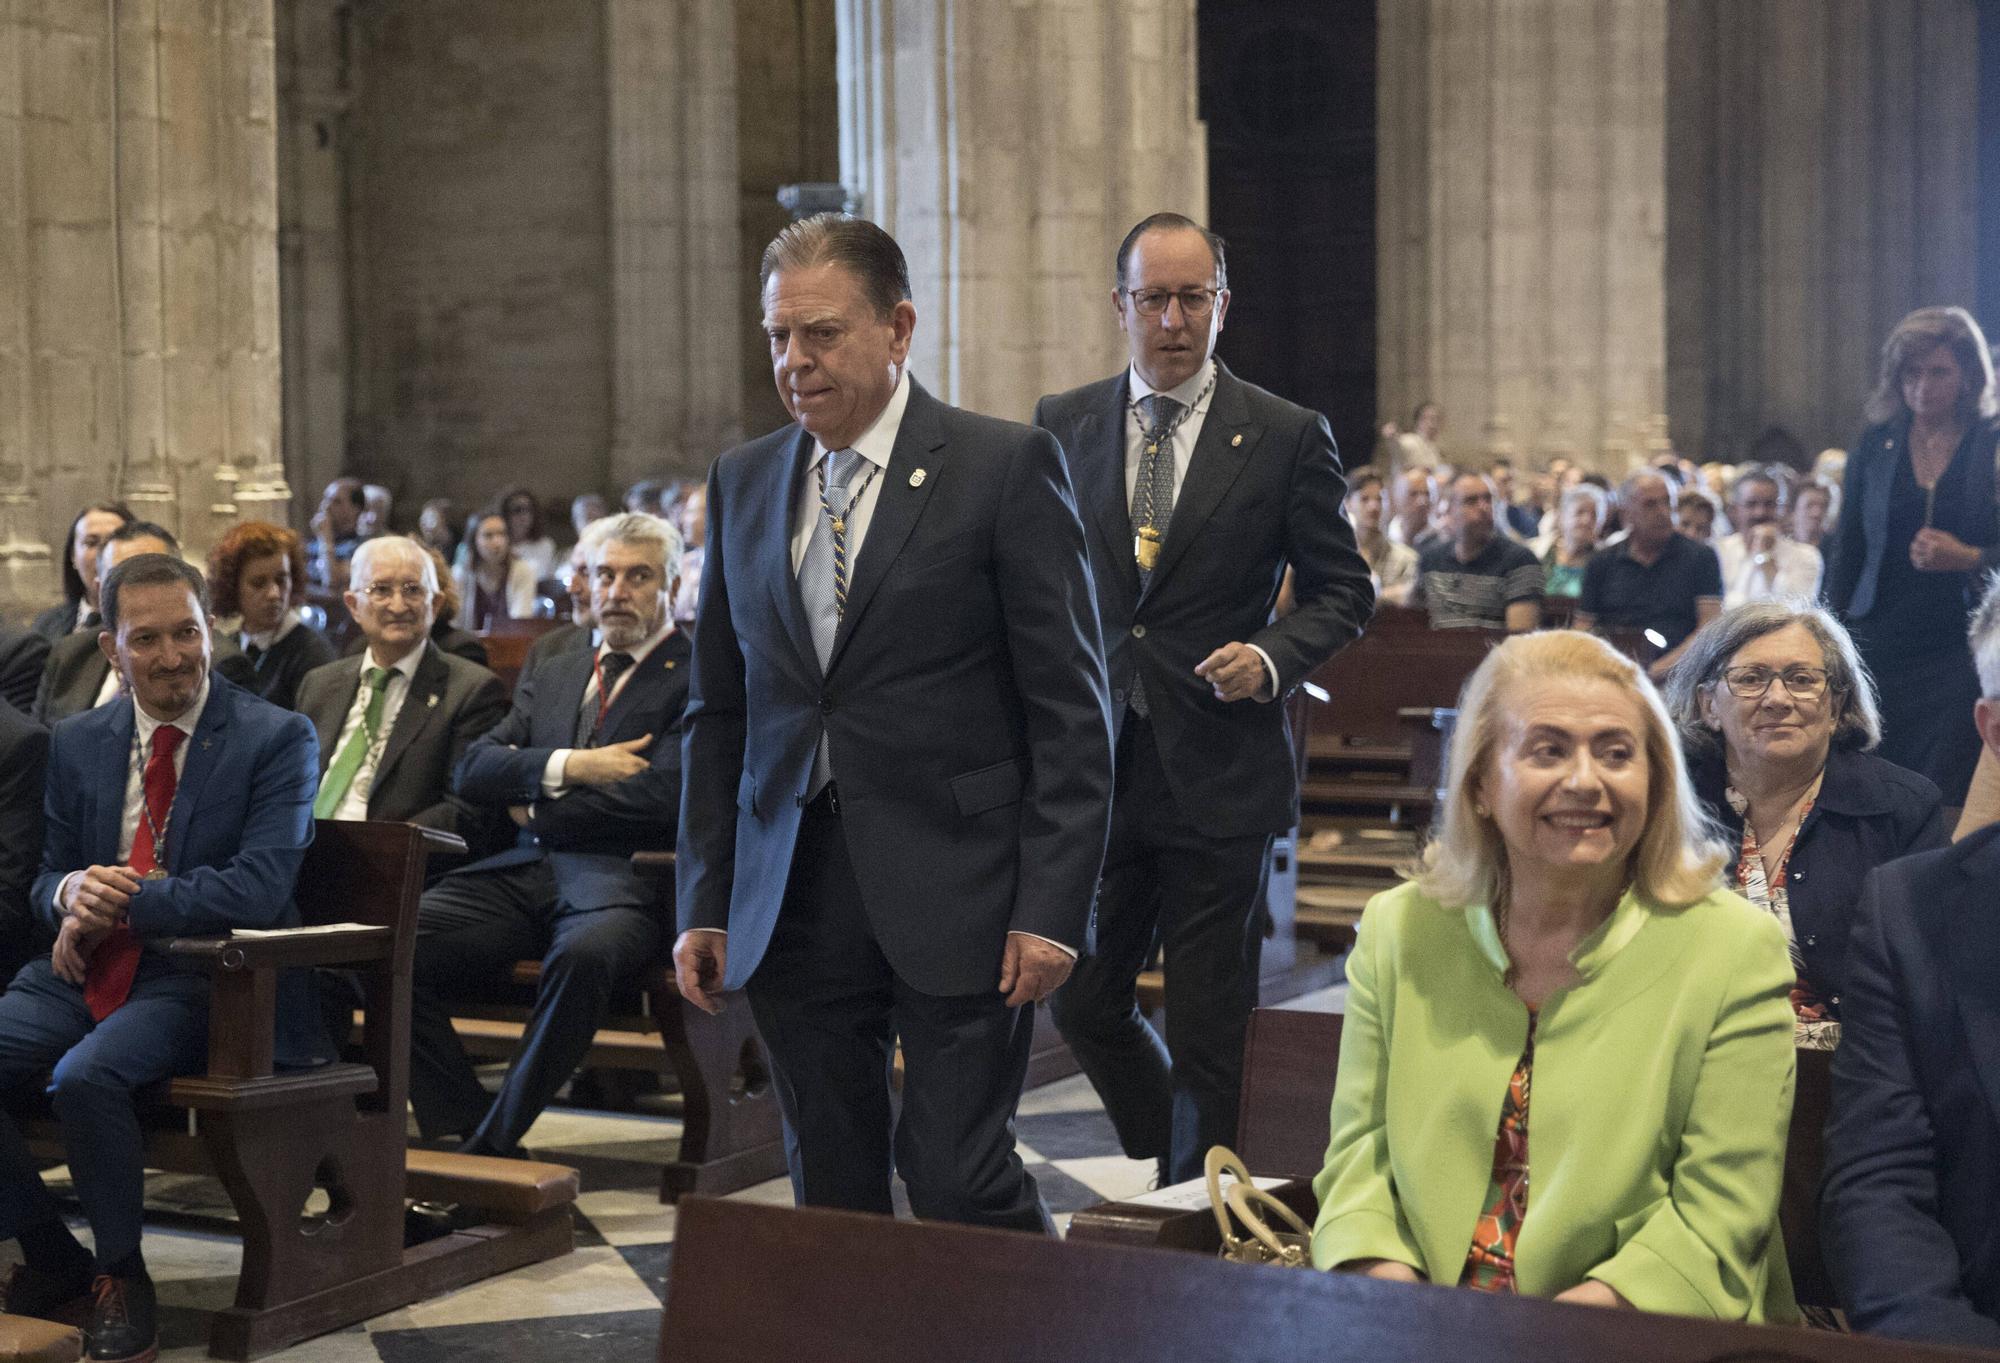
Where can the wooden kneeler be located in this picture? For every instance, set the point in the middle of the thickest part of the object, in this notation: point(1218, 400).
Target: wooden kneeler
point(272, 1137)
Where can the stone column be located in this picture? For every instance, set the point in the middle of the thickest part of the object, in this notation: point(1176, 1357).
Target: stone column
point(1522, 223)
point(676, 381)
point(138, 268)
point(1008, 148)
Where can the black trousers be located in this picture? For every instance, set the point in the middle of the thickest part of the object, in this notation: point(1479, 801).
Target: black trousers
point(471, 928)
point(1203, 898)
point(830, 1008)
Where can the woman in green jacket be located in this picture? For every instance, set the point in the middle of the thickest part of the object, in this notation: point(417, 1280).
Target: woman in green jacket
point(1567, 1062)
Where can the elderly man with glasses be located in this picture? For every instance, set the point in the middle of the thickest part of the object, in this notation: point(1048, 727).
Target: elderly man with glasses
point(395, 719)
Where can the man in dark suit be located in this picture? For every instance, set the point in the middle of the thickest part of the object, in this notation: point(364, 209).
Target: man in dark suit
point(24, 756)
point(394, 721)
point(587, 763)
point(79, 676)
point(1198, 489)
point(1913, 1143)
point(898, 754)
point(180, 809)
point(24, 655)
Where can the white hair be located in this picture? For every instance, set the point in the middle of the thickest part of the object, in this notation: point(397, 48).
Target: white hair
point(1984, 636)
point(372, 549)
point(637, 528)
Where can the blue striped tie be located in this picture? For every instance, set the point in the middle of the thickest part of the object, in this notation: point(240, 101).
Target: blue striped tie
point(823, 584)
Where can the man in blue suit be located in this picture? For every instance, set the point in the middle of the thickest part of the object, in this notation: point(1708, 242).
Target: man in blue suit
point(180, 809)
point(898, 750)
point(588, 764)
point(1913, 1144)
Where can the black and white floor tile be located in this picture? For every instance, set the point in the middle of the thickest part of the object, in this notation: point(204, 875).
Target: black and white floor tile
point(601, 1302)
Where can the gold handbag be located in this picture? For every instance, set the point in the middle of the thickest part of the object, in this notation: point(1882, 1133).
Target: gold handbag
point(1245, 1202)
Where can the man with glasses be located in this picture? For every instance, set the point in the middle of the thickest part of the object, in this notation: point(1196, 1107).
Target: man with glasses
point(395, 719)
point(1197, 490)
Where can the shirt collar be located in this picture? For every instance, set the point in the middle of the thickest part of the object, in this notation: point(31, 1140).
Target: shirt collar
point(287, 622)
point(1184, 393)
point(186, 721)
point(877, 442)
point(407, 664)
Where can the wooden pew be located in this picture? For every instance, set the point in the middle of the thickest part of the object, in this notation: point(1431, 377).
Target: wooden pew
point(274, 1137)
point(732, 1134)
point(507, 644)
point(753, 1283)
point(1290, 1057)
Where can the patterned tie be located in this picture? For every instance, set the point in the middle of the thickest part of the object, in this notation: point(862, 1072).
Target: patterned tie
point(107, 982)
point(610, 668)
point(347, 763)
point(823, 581)
point(1153, 496)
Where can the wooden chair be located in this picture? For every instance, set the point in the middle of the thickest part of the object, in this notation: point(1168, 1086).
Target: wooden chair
point(507, 644)
point(274, 1136)
point(751, 1283)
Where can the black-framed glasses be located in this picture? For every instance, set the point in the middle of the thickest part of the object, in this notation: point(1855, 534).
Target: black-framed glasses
point(1751, 683)
point(1153, 302)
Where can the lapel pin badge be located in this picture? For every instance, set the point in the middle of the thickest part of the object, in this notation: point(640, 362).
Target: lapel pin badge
point(1236, 439)
point(433, 700)
point(917, 478)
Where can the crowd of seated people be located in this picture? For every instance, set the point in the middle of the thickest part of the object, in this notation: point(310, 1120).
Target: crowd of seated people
point(1709, 861)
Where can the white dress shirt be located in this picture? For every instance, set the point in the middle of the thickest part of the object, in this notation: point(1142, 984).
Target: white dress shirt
point(1792, 570)
point(353, 806)
point(1190, 395)
point(552, 773)
point(135, 780)
point(874, 446)
point(268, 640)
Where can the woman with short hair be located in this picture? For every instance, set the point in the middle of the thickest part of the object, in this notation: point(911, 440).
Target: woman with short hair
point(257, 571)
point(1565, 985)
point(1579, 524)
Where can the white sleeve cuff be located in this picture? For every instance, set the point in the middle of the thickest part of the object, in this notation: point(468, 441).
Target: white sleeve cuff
point(552, 774)
point(1067, 951)
point(62, 889)
point(1270, 673)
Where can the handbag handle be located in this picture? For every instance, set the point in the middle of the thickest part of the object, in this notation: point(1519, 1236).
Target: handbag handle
point(1220, 1160)
point(1246, 1200)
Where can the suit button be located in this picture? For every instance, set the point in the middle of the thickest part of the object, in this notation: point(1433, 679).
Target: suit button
point(826, 705)
point(1138, 631)
point(1117, 697)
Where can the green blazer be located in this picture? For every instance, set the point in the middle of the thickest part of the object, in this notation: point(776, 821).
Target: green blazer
point(1656, 1128)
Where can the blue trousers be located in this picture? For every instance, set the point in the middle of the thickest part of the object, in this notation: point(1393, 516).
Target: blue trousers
point(95, 1071)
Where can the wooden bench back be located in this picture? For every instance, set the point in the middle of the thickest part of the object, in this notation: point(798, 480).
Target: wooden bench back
point(751, 1283)
point(1288, 1076)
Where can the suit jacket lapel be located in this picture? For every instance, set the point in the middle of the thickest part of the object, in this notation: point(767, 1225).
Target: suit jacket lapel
point(329, 721)
point(419, 706)
point(638, 695)
point(775, 549)
point(1975, 941)
point(919, 444)
point(115, 763)
point(1100, 452)
point(204, 752)
point(1227, 438)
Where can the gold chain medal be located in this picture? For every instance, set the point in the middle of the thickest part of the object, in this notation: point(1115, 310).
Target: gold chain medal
point(1146, 547)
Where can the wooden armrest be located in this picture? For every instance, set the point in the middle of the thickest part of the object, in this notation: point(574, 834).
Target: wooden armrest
point(437, 842)
point(339, 946)
point(653, 863)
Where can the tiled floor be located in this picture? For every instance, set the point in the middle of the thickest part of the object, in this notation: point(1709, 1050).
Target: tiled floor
point(601, 1302)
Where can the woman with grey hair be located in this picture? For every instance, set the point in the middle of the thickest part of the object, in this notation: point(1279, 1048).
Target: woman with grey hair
point(1579, 525)
point(1776, 713)
point(1918, 527)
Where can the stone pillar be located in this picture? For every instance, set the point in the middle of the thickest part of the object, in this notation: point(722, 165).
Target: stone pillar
point(1009, 192)
point(676, 381)
point(1522, 223)
point(138, 268)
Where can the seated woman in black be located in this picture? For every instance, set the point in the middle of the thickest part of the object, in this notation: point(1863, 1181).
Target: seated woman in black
point(1776, 712)
point(258, 571)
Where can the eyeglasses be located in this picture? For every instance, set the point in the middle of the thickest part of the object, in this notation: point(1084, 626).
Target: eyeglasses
point(1750, 683)
point(382, 593)
point(1153, 302)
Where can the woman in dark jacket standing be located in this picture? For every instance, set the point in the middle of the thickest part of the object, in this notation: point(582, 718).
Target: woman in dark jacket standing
point(1918, 530)
point(1776, 713)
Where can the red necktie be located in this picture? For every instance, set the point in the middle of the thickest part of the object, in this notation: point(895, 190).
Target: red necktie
point(108, 982)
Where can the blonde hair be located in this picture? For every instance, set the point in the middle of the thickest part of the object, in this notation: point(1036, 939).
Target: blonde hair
point(1678, 860)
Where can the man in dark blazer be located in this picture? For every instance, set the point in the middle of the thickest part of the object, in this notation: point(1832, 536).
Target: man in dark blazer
point(24, 756)
point(588, 765)
point(1913, 1143)
point(433, 705)
point(181, 809)
point(898, 758)
point(1198, 489)
point(24, 655)
point(78, 675)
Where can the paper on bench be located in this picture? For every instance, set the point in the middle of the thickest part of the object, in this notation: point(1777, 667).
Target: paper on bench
point(312, 930)
point(1191, 1196)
